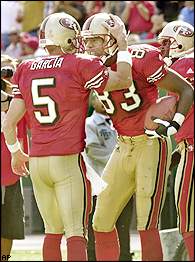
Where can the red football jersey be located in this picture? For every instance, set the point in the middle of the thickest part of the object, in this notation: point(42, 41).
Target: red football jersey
point(185, 67)
point(7, 176)
point(127, 108)
point(56, 90)
point(136, 22)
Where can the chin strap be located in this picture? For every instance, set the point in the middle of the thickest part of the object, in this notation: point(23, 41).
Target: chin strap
point(182, 54)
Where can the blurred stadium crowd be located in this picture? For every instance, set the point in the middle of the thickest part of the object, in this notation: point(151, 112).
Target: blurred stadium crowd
point(20, 20)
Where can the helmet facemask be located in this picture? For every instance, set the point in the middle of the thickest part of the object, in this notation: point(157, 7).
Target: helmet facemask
point(93, 28)
point(167, 45)
point(176, 38)
point(109, 42)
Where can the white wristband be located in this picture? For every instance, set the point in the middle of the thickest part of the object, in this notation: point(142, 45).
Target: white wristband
point(15, 147)
point(179, 118)
point(124, 56)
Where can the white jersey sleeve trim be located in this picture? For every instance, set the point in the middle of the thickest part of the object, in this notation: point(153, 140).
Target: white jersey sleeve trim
point(156, 76)
point(157, 72)
point(16, 90)
point(94, 82)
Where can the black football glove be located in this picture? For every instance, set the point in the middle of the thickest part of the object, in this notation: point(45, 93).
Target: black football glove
point(166, 128)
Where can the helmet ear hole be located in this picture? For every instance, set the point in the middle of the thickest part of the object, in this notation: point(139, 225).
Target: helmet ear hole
point(180, 46)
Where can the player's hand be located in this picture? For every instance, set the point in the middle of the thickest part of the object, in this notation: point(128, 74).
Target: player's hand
point(165, 129)
point(117, 29)
point(18, 163)
point(152, 133)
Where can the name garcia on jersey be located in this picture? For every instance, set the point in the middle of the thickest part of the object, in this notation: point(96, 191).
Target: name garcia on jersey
point(47, 63)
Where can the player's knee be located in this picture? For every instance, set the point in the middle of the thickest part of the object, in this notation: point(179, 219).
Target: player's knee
point(145, 189)
point(101, 224)
point(79, 231)
point(53, 229)
point(141, 224)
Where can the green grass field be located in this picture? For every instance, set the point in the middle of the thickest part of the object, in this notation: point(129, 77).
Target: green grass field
point(35, 255)
point(29, 255)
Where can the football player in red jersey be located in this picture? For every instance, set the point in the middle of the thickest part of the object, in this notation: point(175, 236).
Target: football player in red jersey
point(11, 192)
point(139, 164)
point(54, 91)
point(177, 43)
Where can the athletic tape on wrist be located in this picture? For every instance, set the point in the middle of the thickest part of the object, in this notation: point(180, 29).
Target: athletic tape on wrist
point(15, 147)
point(124, 56)
point(179, 118)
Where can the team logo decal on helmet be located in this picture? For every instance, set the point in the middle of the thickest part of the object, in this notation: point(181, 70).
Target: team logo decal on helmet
point(68, 24)
point(61, 29)
point(183, 30)
point(177, 37)
point(110, 22)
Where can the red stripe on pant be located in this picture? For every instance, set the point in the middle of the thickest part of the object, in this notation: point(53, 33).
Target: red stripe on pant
point(88, 192)
point(157, 199)
point(184, 196)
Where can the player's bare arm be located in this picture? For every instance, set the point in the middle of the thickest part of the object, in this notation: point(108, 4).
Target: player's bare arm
point(174, 82)
point(14, 115)
point(173, 44)
point(122, 78)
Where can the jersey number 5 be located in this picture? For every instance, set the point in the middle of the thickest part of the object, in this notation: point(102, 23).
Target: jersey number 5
point(44, 101)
